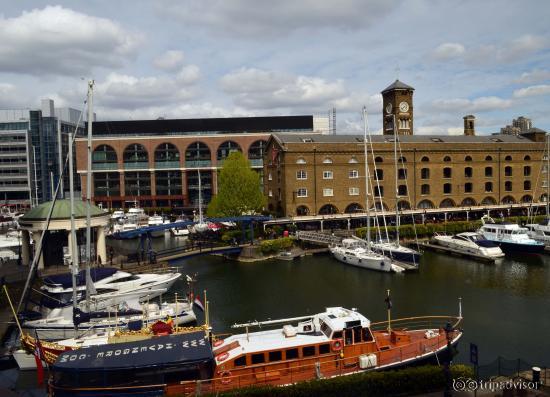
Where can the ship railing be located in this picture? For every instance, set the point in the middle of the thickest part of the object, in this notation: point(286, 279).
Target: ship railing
point(326, 366)
point(417, 323)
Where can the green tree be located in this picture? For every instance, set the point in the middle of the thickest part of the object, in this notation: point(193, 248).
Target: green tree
point(238, 189)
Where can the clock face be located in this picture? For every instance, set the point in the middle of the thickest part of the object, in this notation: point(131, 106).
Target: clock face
point(404, 106)
point(388, 108)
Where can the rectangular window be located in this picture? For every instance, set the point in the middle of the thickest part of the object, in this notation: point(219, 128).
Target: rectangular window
point(291, 354)
point(353, 174)
point(328, 192)
point(269, 177)
point(324, 349)
point(270, 194)
point(301, 192)
point(402, 173)
point(275, 356)
point(308, 351)
point(354, 191)
point(301, 175)
point(327, 174)
point(258, 358)
point(241, 361)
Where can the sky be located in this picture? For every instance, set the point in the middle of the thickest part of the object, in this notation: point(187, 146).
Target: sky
point(236, 58)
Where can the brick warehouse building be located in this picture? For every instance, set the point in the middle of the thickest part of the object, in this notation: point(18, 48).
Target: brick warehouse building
point(318, 175)
point(156, 163)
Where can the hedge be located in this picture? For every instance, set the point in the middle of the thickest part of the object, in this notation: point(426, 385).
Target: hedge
point(408, 381)
point(272, 246)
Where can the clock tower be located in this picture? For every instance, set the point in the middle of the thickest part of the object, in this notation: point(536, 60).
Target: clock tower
point(397, 102)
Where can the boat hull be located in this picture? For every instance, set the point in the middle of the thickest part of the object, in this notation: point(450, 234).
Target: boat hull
point(522, 248)
point(377, 263)
point(399, 255)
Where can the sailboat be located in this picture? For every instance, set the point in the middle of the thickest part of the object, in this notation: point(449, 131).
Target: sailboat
point(541, 231)
point(354, 251)
point(394, 249)
point(100, 312)
point(201, 225)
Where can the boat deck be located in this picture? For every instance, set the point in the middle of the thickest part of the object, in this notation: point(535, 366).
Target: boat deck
point(439, 248)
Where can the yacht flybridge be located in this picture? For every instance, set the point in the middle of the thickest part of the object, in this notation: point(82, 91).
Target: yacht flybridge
point(335, 342)
point(510, 237)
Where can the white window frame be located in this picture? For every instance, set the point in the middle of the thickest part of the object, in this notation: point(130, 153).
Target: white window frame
point(354, 191)
point(269, 177)
point(328, 175)
point(328, 192)
point(301, 192)
point(301, 175)
point(353, 174)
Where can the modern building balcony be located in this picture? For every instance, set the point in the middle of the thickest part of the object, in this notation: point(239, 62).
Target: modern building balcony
point(104, 166)
point(167, 164)
point(197, 163)
point(135, 165)
point(203, 186)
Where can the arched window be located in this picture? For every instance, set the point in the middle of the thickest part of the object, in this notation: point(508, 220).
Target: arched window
point(353, 160)
point(328, 209)
point(353, 208)
point(226, 148)
point(468, 202)
point(256, 153)
point(300, 160)
point(425, 204)
point(507, 171)
point(167, 156)
point(327, 160)
point(508, 186)
point(527, 199)
point(527, 158)
point(488, 158)
point(403, 205)
point(508, 158)
point(378, 160)
point(197, 154)
point(302, 210)
point(425, 189)
point(447, 203)
point(488, 201)
point(468, 158)
point(104, 158)
point(402, 159)
point(135, 156)
point(425, 159)
point(508, 200)
point(447, 159)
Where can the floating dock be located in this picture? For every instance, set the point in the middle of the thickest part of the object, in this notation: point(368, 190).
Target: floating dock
point(446, 250)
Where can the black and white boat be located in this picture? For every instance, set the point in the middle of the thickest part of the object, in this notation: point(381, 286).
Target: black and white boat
point(470, 243)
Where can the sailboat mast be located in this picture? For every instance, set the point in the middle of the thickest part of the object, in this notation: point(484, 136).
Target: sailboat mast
point(89, 286)
point(547, 176)
point(396, 188)
point(366, 177)
point(72, 240)
point(200, 197)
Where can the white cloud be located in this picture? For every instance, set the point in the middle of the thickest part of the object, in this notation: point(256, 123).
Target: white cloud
point(188, 75)
point(268, 18)
point(523, 46)
point(447, 51)
point(260, 89)
point(480, 104)
point(170, 60)
point(57, 40)
point(534, 76)
point(534, 90)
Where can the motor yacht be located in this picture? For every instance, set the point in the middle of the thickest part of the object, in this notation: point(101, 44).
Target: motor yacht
point(509, 237)
point(470, 243)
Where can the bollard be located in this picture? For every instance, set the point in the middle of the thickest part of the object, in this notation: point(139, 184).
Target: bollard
point(536, 376)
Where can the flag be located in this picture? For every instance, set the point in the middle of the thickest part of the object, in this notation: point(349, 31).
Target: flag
point(274, 154)
point(38, 359)
point(198, 302)
point(388, 300)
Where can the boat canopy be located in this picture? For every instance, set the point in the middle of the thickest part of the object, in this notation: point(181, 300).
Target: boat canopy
point(64, 280)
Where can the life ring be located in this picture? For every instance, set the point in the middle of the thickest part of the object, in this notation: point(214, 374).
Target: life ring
point(225, 377)
point(217, 343)
point(222, 357)
point(336, 345)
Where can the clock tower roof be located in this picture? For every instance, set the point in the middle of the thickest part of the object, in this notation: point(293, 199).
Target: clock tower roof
point(397, 85)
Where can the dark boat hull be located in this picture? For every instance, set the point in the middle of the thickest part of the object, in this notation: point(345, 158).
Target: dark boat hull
point(523, 248)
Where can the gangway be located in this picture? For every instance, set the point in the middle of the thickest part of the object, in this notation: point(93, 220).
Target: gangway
point(318, 238)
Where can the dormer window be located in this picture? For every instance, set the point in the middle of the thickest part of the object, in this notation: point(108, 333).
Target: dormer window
point(327, 160)
point(300, 161)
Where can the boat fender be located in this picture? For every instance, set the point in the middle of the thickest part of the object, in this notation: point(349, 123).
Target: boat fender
point(225, 377)
point(222, 357)
point(336, 345)
point(219, 342)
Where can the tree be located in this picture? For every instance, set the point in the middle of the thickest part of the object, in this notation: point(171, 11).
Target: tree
point(238, 189)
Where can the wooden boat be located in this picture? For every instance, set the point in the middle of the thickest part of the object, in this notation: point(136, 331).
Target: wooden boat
point(333, 343)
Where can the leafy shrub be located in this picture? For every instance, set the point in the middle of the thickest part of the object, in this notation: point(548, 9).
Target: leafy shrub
point(273, 246)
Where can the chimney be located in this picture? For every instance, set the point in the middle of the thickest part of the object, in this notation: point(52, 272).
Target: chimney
point(469, 128)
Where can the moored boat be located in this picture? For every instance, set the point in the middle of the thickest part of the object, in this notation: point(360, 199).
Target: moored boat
point(353, 252)
point(470, 243)
point(509, 237)
point(333, 343)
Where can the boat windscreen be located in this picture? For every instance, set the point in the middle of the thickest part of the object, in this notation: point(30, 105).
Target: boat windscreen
point(486, 243)
point(65, 279)
point(155, 352)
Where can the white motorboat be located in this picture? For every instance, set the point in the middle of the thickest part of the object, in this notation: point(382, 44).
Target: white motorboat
point(12, 239)
point(156, 220)
point(470, 243)
point(117, 215)
point(180, 231)
point(540, 231)
point(510, 237)
point(353, 252)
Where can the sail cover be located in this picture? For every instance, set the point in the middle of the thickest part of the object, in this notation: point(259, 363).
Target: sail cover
point(161, 351)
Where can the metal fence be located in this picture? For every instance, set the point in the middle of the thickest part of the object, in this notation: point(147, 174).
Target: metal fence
point(510, 368)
